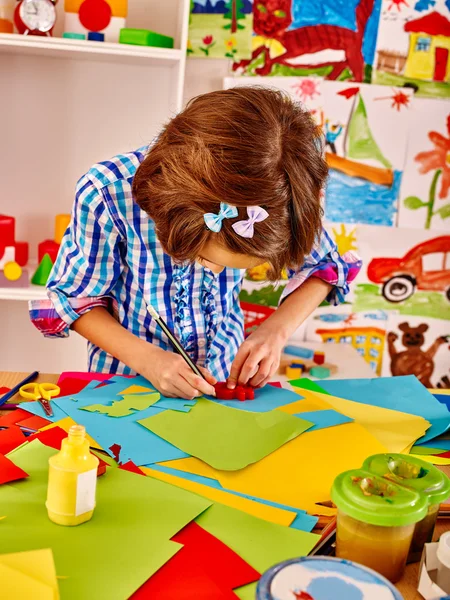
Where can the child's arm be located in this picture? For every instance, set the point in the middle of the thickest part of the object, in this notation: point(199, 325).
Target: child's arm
point(167, 371)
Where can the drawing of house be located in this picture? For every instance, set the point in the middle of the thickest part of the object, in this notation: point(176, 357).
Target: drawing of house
point(429, 47)
point(368, 341)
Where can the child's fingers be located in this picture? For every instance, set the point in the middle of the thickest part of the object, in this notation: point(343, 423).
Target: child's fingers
point(237, 365)
point(263, 373)
point(207, 375)
point(198, 384)
point(250, 366)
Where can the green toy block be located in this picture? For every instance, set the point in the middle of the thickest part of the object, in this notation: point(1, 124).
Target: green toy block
point(144, 37)
point(42, 273)
point(320, 372)
point(74, 36)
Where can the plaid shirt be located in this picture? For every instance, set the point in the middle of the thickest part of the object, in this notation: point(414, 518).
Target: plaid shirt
point(110, 256)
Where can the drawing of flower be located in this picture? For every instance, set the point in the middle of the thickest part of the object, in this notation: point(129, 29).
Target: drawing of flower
point(209, 42)
point(437, 160)
point(189, 48)
point(230, 46)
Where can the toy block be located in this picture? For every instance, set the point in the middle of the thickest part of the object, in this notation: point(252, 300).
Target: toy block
point(7, 232)
point(49, 247)
point(61, 224)
point(42, 273)
point(240, 392)
point(119, 8)
point(9, 255)
point(95, 15)
point(12, 271)
point(95, 36)
point(21, 253)
point(298, 351)
point(319, 357)
point(320, 372)
point(74, 36)
point(144, 37)
point(293, 373)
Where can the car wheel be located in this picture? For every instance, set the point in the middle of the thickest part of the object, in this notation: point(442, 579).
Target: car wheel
point(398, 288)
point(447, 294)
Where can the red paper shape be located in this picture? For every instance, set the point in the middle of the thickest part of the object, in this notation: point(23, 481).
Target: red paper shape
point(14, 417)
point(34, 422)
point(276, 384)
point(4, 390)
point(70, 386)
point(204, 569)
point(9, 471)
point(11, 438)
point(115, 449)
point(130, 466)
point(444, 455)
point(240, 392)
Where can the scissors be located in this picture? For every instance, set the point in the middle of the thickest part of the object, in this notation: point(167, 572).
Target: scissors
point(41, 392)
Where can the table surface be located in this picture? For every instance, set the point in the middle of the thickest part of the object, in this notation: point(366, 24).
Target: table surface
point(407, 585)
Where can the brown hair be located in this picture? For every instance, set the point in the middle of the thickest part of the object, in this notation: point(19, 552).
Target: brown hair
point(245, 146)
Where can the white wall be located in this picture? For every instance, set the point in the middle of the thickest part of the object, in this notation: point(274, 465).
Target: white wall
point(204, 75)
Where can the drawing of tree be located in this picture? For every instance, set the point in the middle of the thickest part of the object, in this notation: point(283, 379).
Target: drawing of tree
point(235, 14)
point(437, 160)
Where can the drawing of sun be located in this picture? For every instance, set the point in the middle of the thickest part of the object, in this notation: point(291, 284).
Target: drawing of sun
point(307, 89)
point(398, 98)
point(398, 4)
point(345, 241)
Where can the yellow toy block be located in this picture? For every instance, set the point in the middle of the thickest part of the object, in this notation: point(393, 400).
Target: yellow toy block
point(61, 223)
point(294, 372)
point(119, 8)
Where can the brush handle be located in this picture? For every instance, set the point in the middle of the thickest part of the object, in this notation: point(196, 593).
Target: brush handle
point(178, 347)
point(17, 387)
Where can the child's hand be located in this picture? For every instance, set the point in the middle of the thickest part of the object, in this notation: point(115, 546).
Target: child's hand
point(258, 358)
point(171, 376)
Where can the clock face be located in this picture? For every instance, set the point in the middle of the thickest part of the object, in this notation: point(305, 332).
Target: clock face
point(38, 15)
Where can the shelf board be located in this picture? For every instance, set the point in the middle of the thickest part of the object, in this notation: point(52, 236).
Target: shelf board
point(32, 292)
point(83, 49)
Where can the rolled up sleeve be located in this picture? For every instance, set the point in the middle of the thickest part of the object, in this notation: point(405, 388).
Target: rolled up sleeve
point(86, 269)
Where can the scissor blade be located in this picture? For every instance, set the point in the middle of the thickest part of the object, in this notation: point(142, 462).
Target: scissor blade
point(46, 406)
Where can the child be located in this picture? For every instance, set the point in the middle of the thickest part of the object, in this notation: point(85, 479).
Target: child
point(231, 182)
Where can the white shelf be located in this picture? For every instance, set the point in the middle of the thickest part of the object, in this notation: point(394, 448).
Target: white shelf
point(84, 49)
point(33, 292)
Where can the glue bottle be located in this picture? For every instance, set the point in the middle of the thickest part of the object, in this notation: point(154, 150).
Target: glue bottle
point(72, 480)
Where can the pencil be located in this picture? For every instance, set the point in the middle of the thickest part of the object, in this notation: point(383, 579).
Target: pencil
point(17, 387)
point(174, 342)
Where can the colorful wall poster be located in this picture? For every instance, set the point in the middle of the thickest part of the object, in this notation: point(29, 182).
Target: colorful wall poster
point(424, 193)
point(332, 39)
point(220, 29)
point(420, 347)
point(413, 46)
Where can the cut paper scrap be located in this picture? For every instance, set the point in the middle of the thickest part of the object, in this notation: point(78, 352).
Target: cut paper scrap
point(223, 437)
point(262, 511)
point(204, 569)
point(324, 418)
point(14, 417)
point(425, 450)
point(9, 471)
point(175, 404)
point(66, 424)
point(435, 460)
point(33, 422)
point(10, 438)
point(28, 575)
point(266, 399)
point(150, 511)
point(260, 543)
point(396, 430)
point(404, 393)
point(300, 473)
point(4, 390)
point(125, 407)
point(307, 384)
point(137, 389)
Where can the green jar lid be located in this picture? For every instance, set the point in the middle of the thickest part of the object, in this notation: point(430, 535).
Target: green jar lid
point(375, 500)
point(411, 472)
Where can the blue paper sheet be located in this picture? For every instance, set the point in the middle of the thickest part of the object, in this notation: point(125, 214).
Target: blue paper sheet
point(405, 394)
point(324, 418)
point(175, 404)
point(266, 398)
point(443, 399)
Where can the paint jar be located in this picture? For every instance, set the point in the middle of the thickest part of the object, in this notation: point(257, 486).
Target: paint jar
point(375, 521)
point(323, 577)
point(443, 556)
point(422, 477)
point(72, 480)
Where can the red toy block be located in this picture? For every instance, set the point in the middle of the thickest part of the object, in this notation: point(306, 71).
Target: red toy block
point(48, 247)
point(240, 392)
point(7, 228)
point(319, 357)
point(21, 253)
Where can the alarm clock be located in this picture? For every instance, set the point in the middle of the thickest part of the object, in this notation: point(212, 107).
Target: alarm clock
point(35, 17)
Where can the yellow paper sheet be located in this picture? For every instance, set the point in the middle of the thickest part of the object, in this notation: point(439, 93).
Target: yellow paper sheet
point(136, 389)
point(301, 472)
point(27, 575)
point(306, 405)
point(445, 391)
point(394, 429)
point(263, 511)
point(435, 460)
point(66, 424)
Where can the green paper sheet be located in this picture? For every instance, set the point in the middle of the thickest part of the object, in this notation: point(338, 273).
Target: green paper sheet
point(424, 450)
point(260, 543)
point(127, 540)
point(125, 407)
point(226, 438)
point(307, 384)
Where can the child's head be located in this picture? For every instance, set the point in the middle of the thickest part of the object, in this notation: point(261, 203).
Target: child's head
point(243, 147)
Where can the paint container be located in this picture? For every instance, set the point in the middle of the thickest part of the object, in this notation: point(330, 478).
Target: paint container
point(319, 578)
point(375, 521)
point(422, 477)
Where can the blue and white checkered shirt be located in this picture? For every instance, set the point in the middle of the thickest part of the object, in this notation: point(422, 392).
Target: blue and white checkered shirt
point(110, 256)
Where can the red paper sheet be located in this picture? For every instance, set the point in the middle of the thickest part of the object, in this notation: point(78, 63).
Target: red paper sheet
point(444, 455)
point(4, 390)
point(130, 466)
point(13, 417)
point(34, 422)
point(71, 386)
point(11, 438)
point(204, 569)
point(9, 471)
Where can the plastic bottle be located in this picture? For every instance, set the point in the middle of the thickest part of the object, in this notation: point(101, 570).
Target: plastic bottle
point(443, 556)
point(72, 480)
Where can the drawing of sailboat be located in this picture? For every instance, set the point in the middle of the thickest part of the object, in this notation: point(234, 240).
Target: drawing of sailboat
point(360, 144)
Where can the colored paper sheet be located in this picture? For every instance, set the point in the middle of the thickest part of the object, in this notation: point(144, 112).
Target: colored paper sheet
point(423, 450)
point(4, 390)
point(66, 424)
point(10, 438)
point(260, 543)
point(405, 394)
point(443, 399)
point(394, 429)
point(439, 442)
point(125, 407)
point(324, 418)
point(300, 473)
point(443, 391)
point(223, 437)
point(435, 460)
point(307, 384)
point(14, 417)
point(149, 511)
point(9, 471)
point(266, 398)
point(71, 386)
point(80, 375)
point(268, 513)
point(35, 408)
point(34, 422)
point(28, 575)
point(137, 389)
point(175, 404)
point(204, 569)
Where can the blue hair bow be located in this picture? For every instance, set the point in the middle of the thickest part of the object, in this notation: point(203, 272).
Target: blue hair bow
point(214, 222)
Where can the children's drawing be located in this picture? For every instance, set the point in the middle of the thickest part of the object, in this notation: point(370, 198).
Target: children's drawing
point(419, 348)
point(220, 29)
point(413, 46)
point(424, 194)
point(330, 39)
